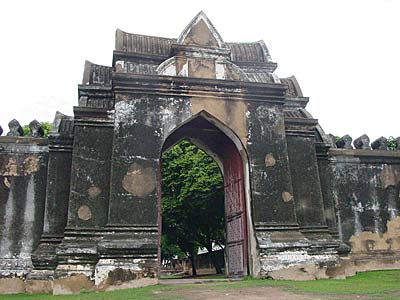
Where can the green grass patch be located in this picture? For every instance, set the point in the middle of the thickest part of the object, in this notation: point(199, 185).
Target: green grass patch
point(146, 293)
point(366, 283)
point(382, 285)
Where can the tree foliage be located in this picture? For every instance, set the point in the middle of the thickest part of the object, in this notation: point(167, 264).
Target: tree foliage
point(170, 250)
point(392, 144)
point(192, 201)
point(47, 126)
point(25, 128)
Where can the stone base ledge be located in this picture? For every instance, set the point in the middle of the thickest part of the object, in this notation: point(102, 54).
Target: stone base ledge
point(124, 273)
point(15, 267)
point(12, 286)
point(74, 284)
point(299, 265)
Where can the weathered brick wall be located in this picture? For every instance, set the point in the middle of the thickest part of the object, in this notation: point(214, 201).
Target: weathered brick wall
point(363, 187)
point(23, 173)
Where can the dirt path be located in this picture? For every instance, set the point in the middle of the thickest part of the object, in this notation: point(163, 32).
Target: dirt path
point(257, 293)
point(254, 293)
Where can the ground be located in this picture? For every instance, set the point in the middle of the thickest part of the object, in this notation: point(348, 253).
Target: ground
point(258, 293)
point(380, 285)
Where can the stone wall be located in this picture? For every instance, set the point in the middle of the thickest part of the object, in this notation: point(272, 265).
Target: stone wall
point(23, 173)
point(362, 186)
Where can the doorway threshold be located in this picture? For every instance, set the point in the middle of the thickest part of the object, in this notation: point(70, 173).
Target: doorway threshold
point(197, 280)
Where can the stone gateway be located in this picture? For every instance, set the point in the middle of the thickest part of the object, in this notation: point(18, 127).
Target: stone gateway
point(80, 209)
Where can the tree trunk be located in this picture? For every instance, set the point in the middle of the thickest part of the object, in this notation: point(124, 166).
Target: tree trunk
point(214, 260)
point(192, 259)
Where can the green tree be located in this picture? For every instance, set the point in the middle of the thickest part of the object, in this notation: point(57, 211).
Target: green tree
point(192, 201)
point(392, 144)
point(170, 250)
point(47, 126)
point(25, 128)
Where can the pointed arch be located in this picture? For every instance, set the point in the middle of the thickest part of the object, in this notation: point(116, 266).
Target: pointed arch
point(221, 143)
point(212, 120)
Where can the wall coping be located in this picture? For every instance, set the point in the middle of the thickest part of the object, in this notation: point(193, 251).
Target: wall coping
point(364, 156)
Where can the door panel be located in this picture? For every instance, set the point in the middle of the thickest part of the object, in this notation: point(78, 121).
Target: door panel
point(235, 213)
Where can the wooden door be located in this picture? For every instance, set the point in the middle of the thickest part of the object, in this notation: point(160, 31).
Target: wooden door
point(235, 214)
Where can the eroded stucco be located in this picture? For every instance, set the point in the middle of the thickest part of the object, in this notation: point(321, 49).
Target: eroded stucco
point(12, 166)
point(270, 160)
point(140, 180)
point(389, 176)
point(94, 191)
point(368, 241)
point(84, 213)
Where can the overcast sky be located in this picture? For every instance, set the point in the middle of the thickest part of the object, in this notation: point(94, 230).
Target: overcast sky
point(345, 54)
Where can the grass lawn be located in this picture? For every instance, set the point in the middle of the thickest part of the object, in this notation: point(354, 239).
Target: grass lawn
point(379, 285)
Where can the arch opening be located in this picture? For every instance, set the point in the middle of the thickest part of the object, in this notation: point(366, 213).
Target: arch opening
point(225, 148)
